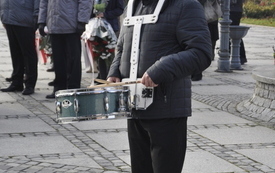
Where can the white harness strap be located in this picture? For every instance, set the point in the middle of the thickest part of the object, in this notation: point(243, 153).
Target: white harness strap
point(139, 100)
point(137, 21)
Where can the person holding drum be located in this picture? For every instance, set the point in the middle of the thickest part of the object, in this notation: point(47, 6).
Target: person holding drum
point(163, 42)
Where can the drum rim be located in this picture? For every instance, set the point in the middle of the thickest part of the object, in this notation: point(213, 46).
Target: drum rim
point(81, 91)
point(88, 91)
point(115, 89)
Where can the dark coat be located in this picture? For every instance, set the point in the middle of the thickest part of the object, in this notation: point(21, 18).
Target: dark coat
point(172, 49)
point(113, 10)
point(19, 12)
point(61, 17)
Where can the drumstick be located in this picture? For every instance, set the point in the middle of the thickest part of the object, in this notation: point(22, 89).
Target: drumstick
point(102, 81)
point(115, 84)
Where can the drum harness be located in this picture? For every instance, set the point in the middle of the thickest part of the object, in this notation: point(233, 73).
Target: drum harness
point(141, 96)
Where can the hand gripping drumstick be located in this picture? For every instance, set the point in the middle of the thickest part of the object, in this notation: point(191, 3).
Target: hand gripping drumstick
point(102, 81)
point(110, 84)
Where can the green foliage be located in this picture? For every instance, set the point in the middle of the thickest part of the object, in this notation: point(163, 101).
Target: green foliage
point(259, 9)
point(100, 7)
point(263, 22)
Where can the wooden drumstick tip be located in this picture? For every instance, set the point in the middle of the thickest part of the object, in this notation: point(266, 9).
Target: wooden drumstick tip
point(102, 81)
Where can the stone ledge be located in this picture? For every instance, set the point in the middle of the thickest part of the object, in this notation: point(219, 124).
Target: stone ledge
point(262, 103)
point(265, 74)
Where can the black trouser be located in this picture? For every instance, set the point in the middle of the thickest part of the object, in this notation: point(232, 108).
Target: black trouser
point(236, 19)
point(23, 54)
point(157, 146)
point(104, 66)
point(66, 52)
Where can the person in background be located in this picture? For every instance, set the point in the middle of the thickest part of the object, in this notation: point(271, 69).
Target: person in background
point(236, 13)
point(214, 33)
point(66, 22)
point(170, 50)
point(20, 21)
point(112, 13)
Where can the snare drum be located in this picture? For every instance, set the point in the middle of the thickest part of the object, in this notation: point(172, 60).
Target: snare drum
point(89, 104)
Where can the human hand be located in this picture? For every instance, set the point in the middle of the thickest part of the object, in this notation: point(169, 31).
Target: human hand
point(41, 27)
point(147, 81)
point(113, 79)
point(100, 15)
point(80, 27)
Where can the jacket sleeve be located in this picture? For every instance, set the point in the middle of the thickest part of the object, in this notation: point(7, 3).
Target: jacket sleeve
point(194, 38)
point(43, 7)
point(202, 2)
point(36, 7)
point(84, 10)
point(114, 68)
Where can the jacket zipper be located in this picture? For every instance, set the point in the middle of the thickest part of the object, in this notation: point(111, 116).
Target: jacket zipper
point(163, 90)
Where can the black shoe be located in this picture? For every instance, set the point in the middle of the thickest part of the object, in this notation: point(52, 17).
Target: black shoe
point(12, 88)
point(50, 69)
point(51, 83)
point(28, 91)
point(51, 96)
point(9, 79)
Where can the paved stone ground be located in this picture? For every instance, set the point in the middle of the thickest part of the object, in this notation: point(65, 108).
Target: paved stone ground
point(223, 137)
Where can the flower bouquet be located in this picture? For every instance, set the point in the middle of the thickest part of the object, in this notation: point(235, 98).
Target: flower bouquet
point(102, 39)
point(43, 47)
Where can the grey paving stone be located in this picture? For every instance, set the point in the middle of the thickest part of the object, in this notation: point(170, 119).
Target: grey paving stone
point(6, 98)
point(196, 105)
point(243, 78)
point(264, 155)
point(13, 109)
point(50, 104)
point(207, 80)
point(237, 135)
point(126, 159)
point(23, 126)
point(204, 162)
point(35, 145)
point(112, 141)
point(101, 124)
point(214, 90)
point(203, 118)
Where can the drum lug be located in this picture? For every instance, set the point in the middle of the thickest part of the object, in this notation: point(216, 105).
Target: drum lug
point(76, 105)
point(129, 103)
point(106, 100)
point(58, 107)
point(135, 99)
point(122, 105)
